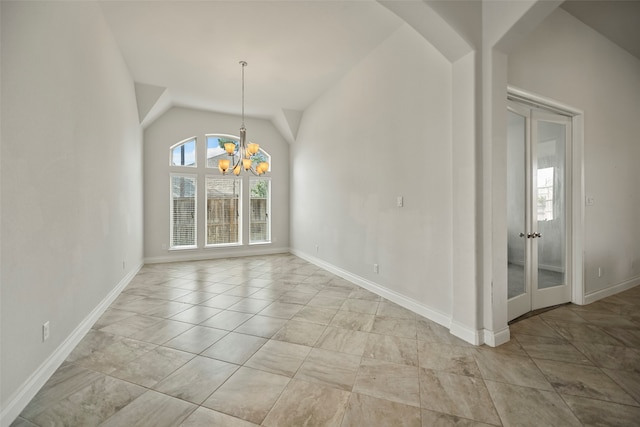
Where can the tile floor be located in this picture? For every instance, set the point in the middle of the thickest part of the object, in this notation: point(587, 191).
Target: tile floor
point(276, 341)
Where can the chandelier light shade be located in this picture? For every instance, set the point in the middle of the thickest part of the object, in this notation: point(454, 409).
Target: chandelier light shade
point(243, 155)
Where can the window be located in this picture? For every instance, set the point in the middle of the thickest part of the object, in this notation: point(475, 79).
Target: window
point(223, 210)
point(184, 153)
point(545, 193)
point(259, 206)
point(229, 204)
point(183, 211)
point(216, 151)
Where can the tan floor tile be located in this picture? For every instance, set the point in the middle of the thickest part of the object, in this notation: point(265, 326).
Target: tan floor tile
point(386, 380)
point(448, 358)
point(152, 367)
point(629, 381)
point(612, 357)
point(196, 339)
point(152, 409)
point(248, 394)
point(279, 357)
point(227, 320)
point(203, 417)
point(131, 325)
point(405, 328)
point(308, 404)
point(392, 349)
point(552, 348)
point(235, 348)
point(360, 306)
point(343, 340)
point(196, 380)
point(329, 368)
point(366, 411)
point(196, 314)
point(321, 316)
point(353, 321)
point(594, 412)
point(512, 369)
point(282, 310)
point(586, 381)
point(390, 309)
point(525, 406)
point(437, 419)
point(92, 404)
point(582, 332)
point(261, 326)
point(162, 331)
point(67, 380)
point(296, 332)
point(457, 395)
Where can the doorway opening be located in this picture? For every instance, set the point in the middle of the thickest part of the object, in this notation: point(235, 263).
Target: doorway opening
point(541, 199)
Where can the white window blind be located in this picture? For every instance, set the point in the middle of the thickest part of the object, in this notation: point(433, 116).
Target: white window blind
point(223, 210)
point(260, 210)
point(183, 211)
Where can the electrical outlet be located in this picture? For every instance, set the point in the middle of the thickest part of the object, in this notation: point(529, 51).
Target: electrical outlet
point(599, 271)
point(164, 246)
point(123, 265)
point(317, 248)
point(400, 201)
point(45, 331)
point(375, 268)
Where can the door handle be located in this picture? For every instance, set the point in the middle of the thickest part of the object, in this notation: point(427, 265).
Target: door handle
point(531, 235)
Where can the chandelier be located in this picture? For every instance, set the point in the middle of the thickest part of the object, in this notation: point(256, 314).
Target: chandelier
point(243, 155)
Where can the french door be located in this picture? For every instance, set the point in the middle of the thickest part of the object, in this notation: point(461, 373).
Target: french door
point(538, 208)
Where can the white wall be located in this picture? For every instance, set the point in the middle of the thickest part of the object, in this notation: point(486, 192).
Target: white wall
point(383, 131)
point(71, 180)
point(178, 124)
point(569, 62)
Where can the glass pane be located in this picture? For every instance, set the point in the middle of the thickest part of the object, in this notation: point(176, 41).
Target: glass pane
point(223, 210)
point(184, 154)
point(516, 169)
point(259, 216)
point(216, 150)
point(550, 198)
point(183, 211)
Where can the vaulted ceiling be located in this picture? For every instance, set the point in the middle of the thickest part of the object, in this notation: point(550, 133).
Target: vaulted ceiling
point(187, 53)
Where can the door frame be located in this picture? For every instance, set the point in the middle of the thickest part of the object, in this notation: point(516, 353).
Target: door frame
point(576, 193)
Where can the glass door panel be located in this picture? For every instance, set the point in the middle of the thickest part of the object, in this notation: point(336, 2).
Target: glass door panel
point(550, 203)
point(516, 206)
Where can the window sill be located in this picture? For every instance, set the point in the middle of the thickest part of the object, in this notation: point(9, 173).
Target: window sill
point(183, 248)
point(223, 245)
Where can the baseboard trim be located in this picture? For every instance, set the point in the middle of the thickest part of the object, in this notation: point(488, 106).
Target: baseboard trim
point(19, 400)
point(469, 335)
point(496, 338)
point(615, 289)
point(228, 252)
point(391, 295)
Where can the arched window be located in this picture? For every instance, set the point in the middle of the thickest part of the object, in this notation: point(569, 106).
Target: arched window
point(183, 153)
point(216, 151)
point(229, 201)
